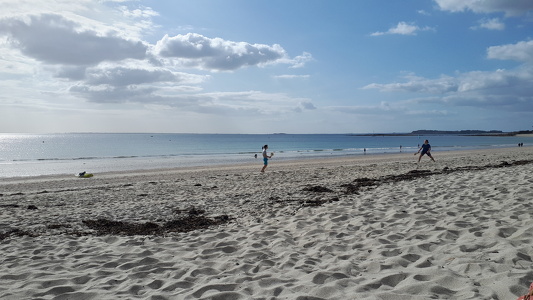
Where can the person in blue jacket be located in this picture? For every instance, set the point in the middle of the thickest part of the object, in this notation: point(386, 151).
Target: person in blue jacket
point(426, 149)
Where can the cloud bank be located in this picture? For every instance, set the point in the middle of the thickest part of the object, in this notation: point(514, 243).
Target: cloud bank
point(510, 8)
point(109, 62)
point(197, 51)
point(511, 89)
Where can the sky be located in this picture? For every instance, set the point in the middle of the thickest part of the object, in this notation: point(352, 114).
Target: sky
point(253, 67)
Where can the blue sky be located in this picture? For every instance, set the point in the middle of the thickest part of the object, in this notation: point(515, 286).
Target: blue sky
point(246, 66)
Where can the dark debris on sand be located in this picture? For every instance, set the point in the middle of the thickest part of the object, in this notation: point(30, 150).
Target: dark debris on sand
point(195, 219)
point(357, 184)
point(183, 224)
point(317, 189)
point(15, 232)
point(354, 187)
point(317, 202)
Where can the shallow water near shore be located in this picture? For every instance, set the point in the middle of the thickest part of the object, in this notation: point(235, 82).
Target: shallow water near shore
point(71, 153)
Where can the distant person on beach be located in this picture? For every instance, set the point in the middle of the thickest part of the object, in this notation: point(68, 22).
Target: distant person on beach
point(265, 158)
point(426, 149)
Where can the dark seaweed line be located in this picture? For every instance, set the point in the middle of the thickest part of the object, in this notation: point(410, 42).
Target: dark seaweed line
point(195, 219)
point(356, 185)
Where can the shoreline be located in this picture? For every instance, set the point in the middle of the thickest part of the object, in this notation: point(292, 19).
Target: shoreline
point(126, 153)
point(373, 227)
point(273, 163)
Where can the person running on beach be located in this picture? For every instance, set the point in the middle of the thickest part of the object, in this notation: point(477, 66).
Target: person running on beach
point(426, 149)
point(265, 158)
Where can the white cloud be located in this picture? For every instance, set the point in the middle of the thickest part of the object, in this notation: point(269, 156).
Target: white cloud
point(99, 16)
point(143, 12)
point(244, 103)
point(300, 60)
point(11, 8)
point(429, 113)
point(287, 76)
point(53, 39)
point(402, 28)
point(512, 89)
point(510, 8)
point(383, 108)
point(499, 82)
point(130, 82)
point(307, 105)
point(521, 51)
point(197, 51)
point(13, 62)
point(416, 84)
point(490, 24)
point(227, 103)
point(79, 54)
point(111, 94)
point(124, 76)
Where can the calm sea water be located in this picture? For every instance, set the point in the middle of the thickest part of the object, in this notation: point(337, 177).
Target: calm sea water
point(47, 154)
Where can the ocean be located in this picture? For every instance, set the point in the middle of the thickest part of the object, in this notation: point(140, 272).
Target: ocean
point(71, 153)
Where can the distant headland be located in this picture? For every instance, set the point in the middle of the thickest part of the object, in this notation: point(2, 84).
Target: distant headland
point(451, 132)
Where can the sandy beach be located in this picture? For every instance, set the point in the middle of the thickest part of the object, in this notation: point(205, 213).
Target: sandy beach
point(365, 227)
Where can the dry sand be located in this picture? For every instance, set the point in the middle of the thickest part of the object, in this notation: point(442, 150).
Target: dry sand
point(367, 227)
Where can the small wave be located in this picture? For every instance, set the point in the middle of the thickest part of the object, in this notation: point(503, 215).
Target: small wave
point(248, 152)
point(70, 158)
